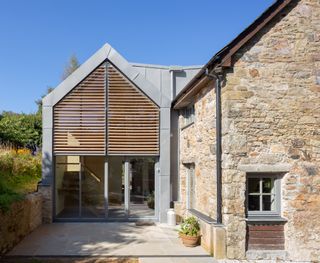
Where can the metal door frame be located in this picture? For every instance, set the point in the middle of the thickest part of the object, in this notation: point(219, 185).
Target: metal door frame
point(126, 160)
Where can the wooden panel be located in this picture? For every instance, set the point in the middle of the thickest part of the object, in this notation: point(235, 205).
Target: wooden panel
point(133, 126)
point(80, 117)
point(265, 236)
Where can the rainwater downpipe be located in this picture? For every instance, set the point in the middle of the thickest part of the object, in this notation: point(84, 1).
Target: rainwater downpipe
point(173, 93)
point(217, 76)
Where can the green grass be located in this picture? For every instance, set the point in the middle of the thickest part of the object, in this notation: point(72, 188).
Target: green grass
point(19, 175)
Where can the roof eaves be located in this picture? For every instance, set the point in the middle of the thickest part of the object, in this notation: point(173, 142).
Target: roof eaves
point(224, 55)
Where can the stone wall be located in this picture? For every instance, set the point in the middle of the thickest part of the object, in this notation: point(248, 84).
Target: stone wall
point(47, 203)
point(270, 123)
point(22, 218)
point(197, 145)
point(301, 206)
point(271, 118)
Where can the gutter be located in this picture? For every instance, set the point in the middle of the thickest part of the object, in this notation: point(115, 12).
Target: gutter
point(217, 75)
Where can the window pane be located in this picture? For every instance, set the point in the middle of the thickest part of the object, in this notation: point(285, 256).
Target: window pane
point(192, 193)
point(267, 185)
point(67, 182)
point(116, 178)
point(254, 203)
point(92, 187)
point(189, 115)
point(267, 203)
point(142, 186)
point(254, 185)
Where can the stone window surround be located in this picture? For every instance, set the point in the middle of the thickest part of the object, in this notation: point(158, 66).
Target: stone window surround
point(279, 169)
point(277, 192)
point(190, 172)
point(190, 164)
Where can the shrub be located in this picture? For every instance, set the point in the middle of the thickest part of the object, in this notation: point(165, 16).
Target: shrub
point(21, 130)
point(19, 174)
point(190, 227)
point(7, 196)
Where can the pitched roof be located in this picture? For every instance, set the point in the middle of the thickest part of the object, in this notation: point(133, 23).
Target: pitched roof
point(106, 53)
point(223, 58)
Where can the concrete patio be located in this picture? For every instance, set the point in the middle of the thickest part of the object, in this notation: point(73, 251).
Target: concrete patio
point(156, 243)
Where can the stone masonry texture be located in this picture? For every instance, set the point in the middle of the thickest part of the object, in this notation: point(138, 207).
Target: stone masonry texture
point(197, 145)
point(22, 218)
point(270, 118)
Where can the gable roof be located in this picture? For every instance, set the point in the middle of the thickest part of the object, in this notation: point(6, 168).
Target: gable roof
point(223, 58)
point(107, 52)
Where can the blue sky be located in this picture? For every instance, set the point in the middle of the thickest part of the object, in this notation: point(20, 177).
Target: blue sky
point(37, 37)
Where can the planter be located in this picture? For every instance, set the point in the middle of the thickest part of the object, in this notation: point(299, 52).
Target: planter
point(189, 241)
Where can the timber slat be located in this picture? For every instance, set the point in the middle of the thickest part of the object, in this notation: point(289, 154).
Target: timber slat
point(133, 125)
point(80, 117)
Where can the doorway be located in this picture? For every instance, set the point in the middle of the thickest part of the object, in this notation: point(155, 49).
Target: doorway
point(131, 187)
point(79, 187)
point(96, 188)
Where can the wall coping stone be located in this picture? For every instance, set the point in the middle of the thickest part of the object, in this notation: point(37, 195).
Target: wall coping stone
point(202, 216)
point(280, 167)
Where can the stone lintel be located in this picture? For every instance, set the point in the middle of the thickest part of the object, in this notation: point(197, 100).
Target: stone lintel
point(265, 168)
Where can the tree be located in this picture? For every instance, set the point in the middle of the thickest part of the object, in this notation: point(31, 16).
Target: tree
point(72, 65)
point(21, 130)
point(39, 101)
point(25, 130)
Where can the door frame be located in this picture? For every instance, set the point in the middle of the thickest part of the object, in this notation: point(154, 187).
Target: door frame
point(127, 218)
point(127, 190)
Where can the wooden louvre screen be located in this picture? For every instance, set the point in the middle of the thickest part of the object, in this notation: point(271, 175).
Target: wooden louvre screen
point(133, 119)
point(80, 117)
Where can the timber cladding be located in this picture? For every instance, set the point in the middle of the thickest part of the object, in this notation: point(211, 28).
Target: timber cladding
point(106, 114)
point(133, 119)
point(80, 117)
point(265, 237)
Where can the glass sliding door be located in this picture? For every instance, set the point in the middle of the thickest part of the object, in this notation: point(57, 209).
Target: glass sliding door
point(67, 186)
point(116, 188)
point(92, 187)
point(79, 187)
point(142, 187)
point(86, 190)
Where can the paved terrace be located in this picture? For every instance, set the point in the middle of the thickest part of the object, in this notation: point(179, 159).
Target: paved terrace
point(156, 243)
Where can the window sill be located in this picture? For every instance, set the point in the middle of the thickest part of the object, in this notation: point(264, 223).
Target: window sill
point(202, 216)
point(186, 126)
point(266, 219)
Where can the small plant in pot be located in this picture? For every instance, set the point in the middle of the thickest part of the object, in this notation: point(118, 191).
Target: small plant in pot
point(190, 232)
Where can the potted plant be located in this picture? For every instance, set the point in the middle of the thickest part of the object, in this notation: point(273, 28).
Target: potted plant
point(190, 232)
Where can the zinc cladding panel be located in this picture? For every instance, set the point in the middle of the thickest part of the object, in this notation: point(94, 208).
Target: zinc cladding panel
point(133, 119)
point(80, 117)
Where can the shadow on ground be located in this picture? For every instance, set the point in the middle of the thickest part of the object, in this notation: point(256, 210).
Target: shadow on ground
point(68, 260)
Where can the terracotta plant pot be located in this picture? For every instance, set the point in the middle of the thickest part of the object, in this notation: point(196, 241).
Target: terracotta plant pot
point(189, 241)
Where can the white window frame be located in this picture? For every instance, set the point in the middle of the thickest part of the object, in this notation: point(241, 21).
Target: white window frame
point(277, 195)
point(188, 114)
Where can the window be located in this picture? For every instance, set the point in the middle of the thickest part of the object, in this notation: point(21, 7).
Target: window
point(263, 195)
point(188, 115)
point(191, 197)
